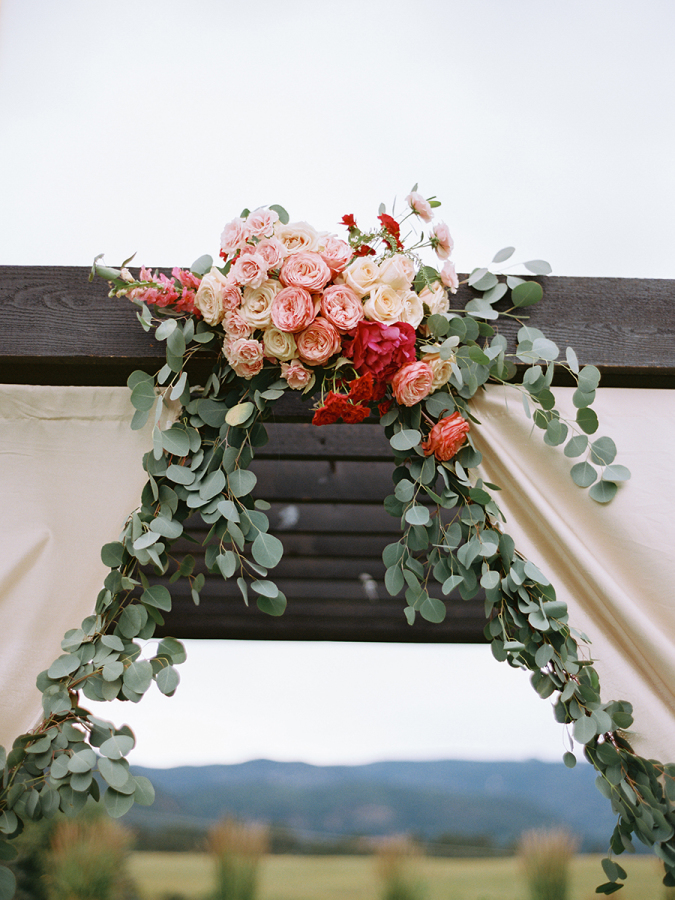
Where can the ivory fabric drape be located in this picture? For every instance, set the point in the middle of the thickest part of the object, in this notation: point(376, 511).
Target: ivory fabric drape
point(613, 564)
point(71, 472)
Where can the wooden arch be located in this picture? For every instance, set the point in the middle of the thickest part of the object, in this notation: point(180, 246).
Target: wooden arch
point(326, 485)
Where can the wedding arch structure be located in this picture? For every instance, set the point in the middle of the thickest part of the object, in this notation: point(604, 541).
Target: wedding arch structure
point(326, 485)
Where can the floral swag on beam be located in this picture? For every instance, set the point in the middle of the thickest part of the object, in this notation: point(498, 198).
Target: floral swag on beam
point(365, 325)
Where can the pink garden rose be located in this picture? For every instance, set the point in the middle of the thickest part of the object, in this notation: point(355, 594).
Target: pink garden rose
point(245, 356)
point(381, 349)
point(249, 269)
point(412, 383)
point(293, 309)
point(341, 307)
point(297, 376)
point(420, 206)
point(449, 276)
point(305, 270)
point(235, 325)
point(261, 222)
point(441, 240)
point(446, 437)
point(336, 253)
point(234, 236)
point(317, 343)
point(272, 251)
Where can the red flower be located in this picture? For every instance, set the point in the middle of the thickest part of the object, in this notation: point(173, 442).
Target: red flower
point(364, 250)
point(349, 221)
point(339, 406)
point(393, 228)
point(381, 349)
point(446, 437)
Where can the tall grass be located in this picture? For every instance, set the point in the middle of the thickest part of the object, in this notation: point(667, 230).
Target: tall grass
point(237, 850)
point(395, 863)
point(87, 861)
point(546, 855)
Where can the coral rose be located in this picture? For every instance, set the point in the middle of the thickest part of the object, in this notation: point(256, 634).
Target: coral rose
point(305, 270)
point(381, 349)
point(341, 306)
point(412, 383)
point(317, 343)
point(446, 437)
point(293, 309)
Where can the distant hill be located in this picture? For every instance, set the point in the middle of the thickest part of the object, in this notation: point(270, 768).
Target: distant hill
point(496, 799)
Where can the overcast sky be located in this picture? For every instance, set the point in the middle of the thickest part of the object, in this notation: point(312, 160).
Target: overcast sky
point(146, 125)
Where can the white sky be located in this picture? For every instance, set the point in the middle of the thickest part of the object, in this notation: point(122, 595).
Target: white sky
point(145, 125)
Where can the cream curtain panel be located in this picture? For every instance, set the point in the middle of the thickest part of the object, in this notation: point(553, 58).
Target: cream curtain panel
point(71, 473)
point(614, 565)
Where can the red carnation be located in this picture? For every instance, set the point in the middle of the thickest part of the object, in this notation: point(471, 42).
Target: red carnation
point(381, 349)
point(393, 228)
point(364, 250)
point(349, 221)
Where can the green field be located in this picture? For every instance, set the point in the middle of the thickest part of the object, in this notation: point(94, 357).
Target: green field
point(159, 875)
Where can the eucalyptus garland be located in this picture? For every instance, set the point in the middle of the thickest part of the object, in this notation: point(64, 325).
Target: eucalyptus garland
point(452, 535)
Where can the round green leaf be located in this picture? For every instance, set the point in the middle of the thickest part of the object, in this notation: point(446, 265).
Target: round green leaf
point(616, 473)
point(587, 420)
point(180, 474)
point(115, 772)
point(538, 266)
point(584, 730)
point(112, 554)
point(527, 294)
point(138, 677)
point(583, 474)
point(603, 491)
point(433, 610)
point(227, 564)
point(7, 883)
point(144, 794)
point(241, 482)
point(157, 596)
point(589, 379)
point(143, 396)
point(569, 759)
point(417, 515)
point(167, 680)
point(212, 485)
point(603, 451)
point(267, 550)
point(63, 666)
point(405, 439)
point(503, 254)
point(582, 399)
point(576, 446)
point(238, 414)
point(117, 804)
point(117, 746)
point(176, 441)
point(273, 606)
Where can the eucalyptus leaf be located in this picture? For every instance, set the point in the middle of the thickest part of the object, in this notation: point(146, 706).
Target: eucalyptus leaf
point(273, 606)
point(583, 474)
point(267, 550)
point(405, 439)
point(117, 804)
point(238, 414)
point(433, 610)
point(503, 254)
point(241, 482)
point(603, 491)
point(538, 266)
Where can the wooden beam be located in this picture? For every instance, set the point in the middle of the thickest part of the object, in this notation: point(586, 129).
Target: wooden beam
point(60, 329)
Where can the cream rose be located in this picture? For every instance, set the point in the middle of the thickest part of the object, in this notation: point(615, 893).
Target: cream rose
point(413, 310)
point(279, 344)
point(441, 368)
point(397, 271)
point(210, 296)
point(436, 299)
point(256, 307)
point(297, 236)
point(361, 275)
point(318, 342)
point(305, 270)
point(384, 305)
point(341, 306)
point(293, 309)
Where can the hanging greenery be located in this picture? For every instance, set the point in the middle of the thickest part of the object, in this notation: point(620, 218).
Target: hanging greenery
point(363, 327)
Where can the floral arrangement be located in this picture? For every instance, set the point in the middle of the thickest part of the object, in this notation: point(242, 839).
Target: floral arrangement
point(364, 328)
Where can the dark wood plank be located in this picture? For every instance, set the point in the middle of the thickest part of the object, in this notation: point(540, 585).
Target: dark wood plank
point(58, 328)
